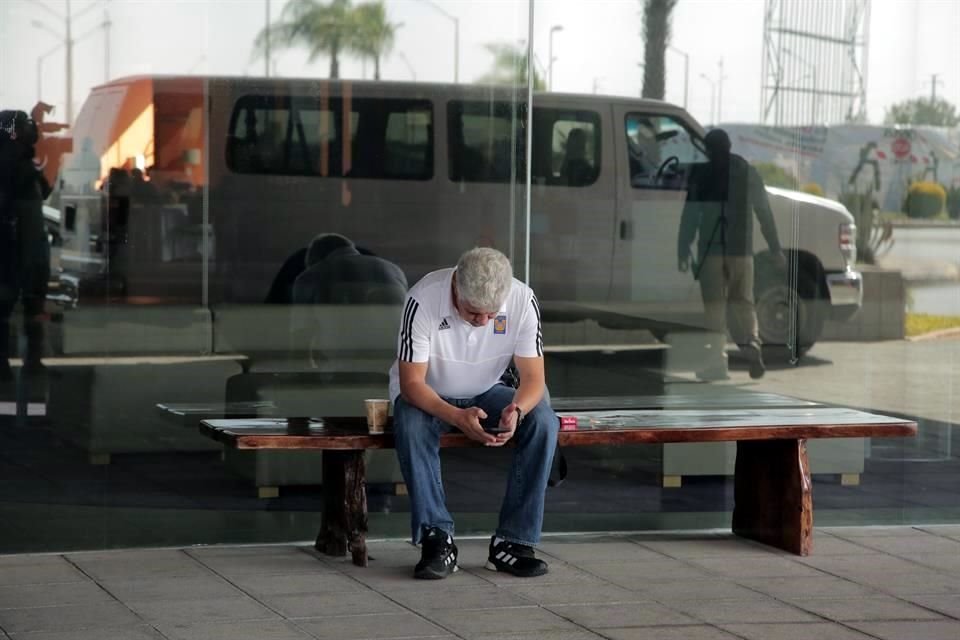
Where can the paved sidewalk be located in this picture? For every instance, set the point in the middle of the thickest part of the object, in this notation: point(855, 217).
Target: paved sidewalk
point(919, 379)
point(892, 583)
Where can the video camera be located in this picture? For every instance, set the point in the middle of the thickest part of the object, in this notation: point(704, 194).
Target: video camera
point(19, 128)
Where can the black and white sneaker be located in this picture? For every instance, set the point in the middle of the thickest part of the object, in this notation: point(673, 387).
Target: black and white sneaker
point(517, 559)
point(438, 555)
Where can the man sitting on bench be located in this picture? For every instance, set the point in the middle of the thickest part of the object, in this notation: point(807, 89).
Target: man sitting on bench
point(461, 327)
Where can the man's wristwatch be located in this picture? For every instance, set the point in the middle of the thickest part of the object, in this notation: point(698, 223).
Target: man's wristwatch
point(519, 416)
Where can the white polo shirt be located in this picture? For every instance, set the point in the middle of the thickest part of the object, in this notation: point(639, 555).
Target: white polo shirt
point(463, 360)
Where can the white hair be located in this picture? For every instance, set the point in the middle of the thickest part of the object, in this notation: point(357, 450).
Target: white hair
point(484, 278)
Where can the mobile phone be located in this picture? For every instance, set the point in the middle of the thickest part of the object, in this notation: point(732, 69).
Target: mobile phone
point(491, 424)
point(495, 430)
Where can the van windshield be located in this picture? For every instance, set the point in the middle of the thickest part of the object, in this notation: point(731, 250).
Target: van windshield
point(660, 148)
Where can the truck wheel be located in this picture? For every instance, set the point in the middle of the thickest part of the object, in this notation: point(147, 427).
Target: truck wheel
point(780, 309)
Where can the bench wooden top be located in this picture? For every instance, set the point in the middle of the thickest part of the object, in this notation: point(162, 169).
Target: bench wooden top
point(708, 399)
point(190, 413)
point(630, 426)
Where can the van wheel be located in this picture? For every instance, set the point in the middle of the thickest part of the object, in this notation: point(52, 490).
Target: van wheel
point(780, 309)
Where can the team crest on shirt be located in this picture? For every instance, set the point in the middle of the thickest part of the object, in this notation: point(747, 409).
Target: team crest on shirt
point(500, 324)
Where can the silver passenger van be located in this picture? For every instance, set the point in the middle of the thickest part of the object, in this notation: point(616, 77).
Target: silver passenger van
point(418, 172)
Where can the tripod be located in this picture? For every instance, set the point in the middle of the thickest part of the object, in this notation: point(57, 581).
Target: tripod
point(721, 226)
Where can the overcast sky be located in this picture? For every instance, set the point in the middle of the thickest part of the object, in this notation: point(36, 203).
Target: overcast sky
point(599, 46)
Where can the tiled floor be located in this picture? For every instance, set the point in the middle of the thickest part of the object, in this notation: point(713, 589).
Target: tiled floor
point(889, 583)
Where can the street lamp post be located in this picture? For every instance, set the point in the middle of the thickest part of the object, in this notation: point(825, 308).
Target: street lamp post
point(410, 68)
point(456, 36)
point(720, 79)
point(106, 45)
point(40, 60)
point(553, 30)
point(686, 72)
point(266, 39)
point(69, 45)
point(713, 95)
point(68, 41)
point(68, 17)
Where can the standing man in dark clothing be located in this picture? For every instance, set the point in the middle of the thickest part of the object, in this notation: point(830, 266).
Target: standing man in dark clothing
point(724, 195)
point(24, 250)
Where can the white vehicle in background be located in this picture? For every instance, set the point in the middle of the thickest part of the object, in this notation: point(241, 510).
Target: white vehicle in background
point(828, 284)
point(416, 173)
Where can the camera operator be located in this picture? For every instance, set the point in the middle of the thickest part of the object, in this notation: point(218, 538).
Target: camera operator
point(24, 249)
point(725, 194)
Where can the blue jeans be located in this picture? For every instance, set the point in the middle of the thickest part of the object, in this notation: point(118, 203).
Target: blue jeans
point(417, 436)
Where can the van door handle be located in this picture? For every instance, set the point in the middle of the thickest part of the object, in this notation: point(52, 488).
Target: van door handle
point(626, 230)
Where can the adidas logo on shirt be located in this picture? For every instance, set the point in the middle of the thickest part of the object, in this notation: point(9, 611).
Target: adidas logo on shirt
point(444, 325)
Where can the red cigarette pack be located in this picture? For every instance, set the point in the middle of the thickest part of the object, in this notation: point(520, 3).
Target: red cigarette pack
point(568, 423)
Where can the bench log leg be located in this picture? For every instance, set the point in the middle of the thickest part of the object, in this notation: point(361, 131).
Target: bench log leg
point(773, 501)
point(344, 524)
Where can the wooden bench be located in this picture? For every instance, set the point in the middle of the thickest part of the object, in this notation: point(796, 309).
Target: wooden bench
point(773, 501)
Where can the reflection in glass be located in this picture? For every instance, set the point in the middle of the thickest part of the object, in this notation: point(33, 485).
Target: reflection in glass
point(193, 180)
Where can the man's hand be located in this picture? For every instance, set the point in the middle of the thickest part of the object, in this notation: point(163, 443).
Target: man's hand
point(508, 422)
point(683, 262)
point(468, 421)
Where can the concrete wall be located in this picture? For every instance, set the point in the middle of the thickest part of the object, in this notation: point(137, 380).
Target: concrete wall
point(883, 313)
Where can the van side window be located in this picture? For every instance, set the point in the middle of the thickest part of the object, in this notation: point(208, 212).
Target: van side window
point(661, 152)
point(360, 138)
point(566, 144)
point(409, 145)
point(485, 141)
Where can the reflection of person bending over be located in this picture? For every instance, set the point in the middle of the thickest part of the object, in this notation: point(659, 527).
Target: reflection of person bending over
point(724, 194)
point(338, 273)
point(461, 327)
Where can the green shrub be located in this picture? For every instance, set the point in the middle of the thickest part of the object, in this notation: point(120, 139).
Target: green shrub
point(775, 176)
point(925, 200)
point(813, 189)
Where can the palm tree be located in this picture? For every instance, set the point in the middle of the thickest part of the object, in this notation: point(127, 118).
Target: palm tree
point(374, 33)
point(656, 37)
point(322, 28)
point(510, 66)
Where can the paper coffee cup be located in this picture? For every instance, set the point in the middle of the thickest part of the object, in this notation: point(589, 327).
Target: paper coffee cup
point(377, 410)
